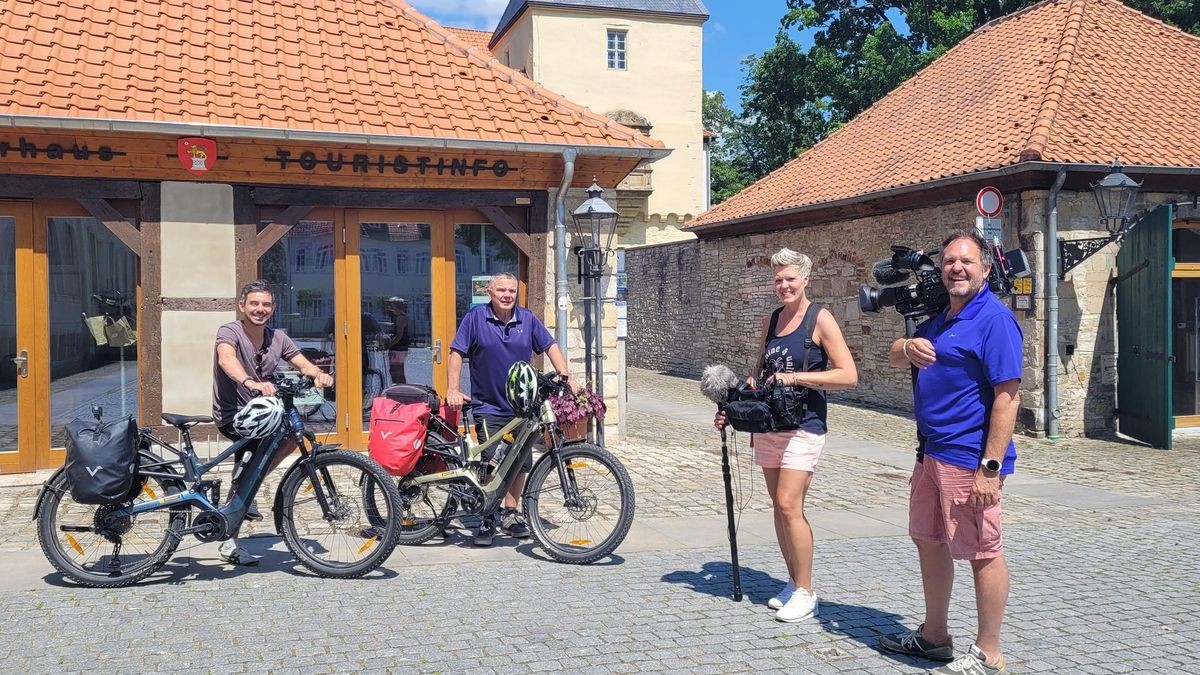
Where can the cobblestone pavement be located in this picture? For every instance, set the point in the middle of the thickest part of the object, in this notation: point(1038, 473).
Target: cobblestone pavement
point(1097, 588)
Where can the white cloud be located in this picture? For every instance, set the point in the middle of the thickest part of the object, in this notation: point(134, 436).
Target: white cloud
point(717, 27)
point(478, 14)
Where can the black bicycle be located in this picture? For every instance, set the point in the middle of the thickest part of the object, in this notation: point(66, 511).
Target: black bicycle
point(318, 506)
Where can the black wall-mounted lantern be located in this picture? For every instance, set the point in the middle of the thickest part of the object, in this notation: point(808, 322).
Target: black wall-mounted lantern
point(1116, 197)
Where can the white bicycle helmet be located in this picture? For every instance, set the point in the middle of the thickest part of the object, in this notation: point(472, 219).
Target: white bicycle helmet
point(522, 387)
point(259, 418)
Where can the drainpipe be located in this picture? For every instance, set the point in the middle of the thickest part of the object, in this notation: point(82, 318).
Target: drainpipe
point(1052, 281)
point(561, 286)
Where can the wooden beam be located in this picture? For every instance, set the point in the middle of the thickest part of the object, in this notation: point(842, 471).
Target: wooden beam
point(283, 223)
point(150, 385)
point(23, 186)
point(245, 235)
point(115, 222)
point(394, 199)
point(508, 227)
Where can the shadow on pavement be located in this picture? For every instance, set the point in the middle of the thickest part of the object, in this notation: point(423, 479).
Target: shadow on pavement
point(183, 568)
point(716, 579)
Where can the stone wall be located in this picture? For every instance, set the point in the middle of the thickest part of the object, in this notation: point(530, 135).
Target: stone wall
point(695, 303)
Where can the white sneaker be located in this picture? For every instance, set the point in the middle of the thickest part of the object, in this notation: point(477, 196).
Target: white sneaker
point(783, 596)
point(801, 606)
point(231, 552)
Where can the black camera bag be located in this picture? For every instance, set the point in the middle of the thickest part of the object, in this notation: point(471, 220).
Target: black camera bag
point(102, 460)
point(747, 412)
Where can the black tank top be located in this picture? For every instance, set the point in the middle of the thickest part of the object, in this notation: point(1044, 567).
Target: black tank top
point(786, 354)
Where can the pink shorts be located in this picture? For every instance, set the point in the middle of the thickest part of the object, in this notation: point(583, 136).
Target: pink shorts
point(938, 510)
point(798, 450)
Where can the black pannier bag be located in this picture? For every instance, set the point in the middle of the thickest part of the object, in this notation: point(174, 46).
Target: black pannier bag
point(102, 460)
point(413, 393)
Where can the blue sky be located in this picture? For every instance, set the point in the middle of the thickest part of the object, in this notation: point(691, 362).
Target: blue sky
point(735, 30)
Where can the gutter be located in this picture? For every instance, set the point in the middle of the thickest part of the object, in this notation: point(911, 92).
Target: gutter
point(332, 137)
point(958, 179)
point(1052, 281)
point(561, 287)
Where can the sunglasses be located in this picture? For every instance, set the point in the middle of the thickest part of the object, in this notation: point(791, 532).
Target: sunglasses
point(259, 357)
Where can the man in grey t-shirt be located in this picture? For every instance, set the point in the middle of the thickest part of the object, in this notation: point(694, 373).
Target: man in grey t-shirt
point(246, 355)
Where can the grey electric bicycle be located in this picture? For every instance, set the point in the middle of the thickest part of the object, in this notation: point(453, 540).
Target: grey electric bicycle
point(318, 506)
point(578, 500)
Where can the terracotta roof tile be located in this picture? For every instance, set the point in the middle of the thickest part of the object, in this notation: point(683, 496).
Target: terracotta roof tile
point(361, 66)
point(478, 39)
point(1076, 81)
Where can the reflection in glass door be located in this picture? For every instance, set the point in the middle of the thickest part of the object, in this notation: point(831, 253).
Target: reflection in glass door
point(92, 309)
point(397, 343)
point(301, 269)
point(18, 449)
point(480, 251)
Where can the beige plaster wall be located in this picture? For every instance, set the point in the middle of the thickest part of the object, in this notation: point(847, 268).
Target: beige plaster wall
point(197, 262)
point(568, 54)
point(575, 317)
point(197, 240)
point(187, 357)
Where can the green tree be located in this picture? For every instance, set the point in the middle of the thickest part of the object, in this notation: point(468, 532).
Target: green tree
point(727, 176)
point(862, 49)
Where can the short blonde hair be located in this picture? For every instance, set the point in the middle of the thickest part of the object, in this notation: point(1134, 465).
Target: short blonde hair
point(786, 257)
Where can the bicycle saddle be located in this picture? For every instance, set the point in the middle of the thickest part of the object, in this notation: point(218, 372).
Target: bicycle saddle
point(470, 405)
point(185, 421)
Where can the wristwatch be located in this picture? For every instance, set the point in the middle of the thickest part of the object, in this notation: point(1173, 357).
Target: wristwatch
point(989, 465)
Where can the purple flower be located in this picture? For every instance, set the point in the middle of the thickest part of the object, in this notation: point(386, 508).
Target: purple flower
point(570, 408)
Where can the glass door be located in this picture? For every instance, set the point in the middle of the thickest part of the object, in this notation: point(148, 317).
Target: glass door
point(18, 438)
point(400, 284)
point(303, 268)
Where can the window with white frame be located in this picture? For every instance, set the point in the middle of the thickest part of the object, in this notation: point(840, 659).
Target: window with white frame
point(616, 49)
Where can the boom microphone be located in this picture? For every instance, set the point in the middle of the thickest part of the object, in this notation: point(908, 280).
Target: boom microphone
point(716, 382)
point(886, 274)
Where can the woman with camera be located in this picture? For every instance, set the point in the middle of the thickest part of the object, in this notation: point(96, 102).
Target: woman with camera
point(803, 356)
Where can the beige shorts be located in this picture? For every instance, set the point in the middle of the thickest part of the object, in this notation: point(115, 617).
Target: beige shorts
point(797, 450)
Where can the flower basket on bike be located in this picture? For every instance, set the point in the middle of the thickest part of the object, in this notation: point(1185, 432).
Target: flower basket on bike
point(574, 410)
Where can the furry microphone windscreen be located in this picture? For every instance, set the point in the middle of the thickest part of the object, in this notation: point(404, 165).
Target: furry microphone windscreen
point(716, 382)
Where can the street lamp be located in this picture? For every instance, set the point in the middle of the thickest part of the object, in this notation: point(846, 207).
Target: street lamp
point(1116, 196)
point(594, 219)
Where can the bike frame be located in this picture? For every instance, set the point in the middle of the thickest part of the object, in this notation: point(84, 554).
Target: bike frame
point(524, 431)
point(255, 472)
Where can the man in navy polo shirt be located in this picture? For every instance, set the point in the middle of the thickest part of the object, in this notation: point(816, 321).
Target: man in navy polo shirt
point(493, 337)
point(968, 360)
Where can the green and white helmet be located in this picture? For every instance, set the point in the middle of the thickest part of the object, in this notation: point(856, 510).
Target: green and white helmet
point(521, 387)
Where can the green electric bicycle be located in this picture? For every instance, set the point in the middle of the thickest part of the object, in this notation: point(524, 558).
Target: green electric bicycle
point(578, 500)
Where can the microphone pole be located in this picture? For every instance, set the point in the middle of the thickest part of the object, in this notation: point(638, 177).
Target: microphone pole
point(737, 570)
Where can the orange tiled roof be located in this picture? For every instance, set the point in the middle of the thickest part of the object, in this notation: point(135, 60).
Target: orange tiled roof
point(475, 38)
point(1075, 81)
point(369, 67)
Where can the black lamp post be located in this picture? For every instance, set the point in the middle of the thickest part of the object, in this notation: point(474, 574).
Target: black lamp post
point(594, 219)
point(1116, 196)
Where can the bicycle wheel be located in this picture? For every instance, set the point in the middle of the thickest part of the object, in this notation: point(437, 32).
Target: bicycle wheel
point(76, 544)
point(424, 511)
point(586, 519)
point(348, 542)
point(372, 387)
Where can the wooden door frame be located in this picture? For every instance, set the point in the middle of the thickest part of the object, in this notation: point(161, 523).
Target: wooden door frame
point(442, 312)
point(23, 457)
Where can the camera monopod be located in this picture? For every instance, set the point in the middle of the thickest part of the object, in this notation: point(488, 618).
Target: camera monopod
point(715, 384)
point(737, 570)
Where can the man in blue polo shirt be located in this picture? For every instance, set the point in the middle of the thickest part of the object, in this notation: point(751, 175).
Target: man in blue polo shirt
point(493, 337)
point(968, 360)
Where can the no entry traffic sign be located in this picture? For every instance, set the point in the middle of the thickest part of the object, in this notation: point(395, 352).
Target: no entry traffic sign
point(989, 202)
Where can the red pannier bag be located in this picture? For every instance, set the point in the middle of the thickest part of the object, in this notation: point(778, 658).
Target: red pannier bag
point(397, 436)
